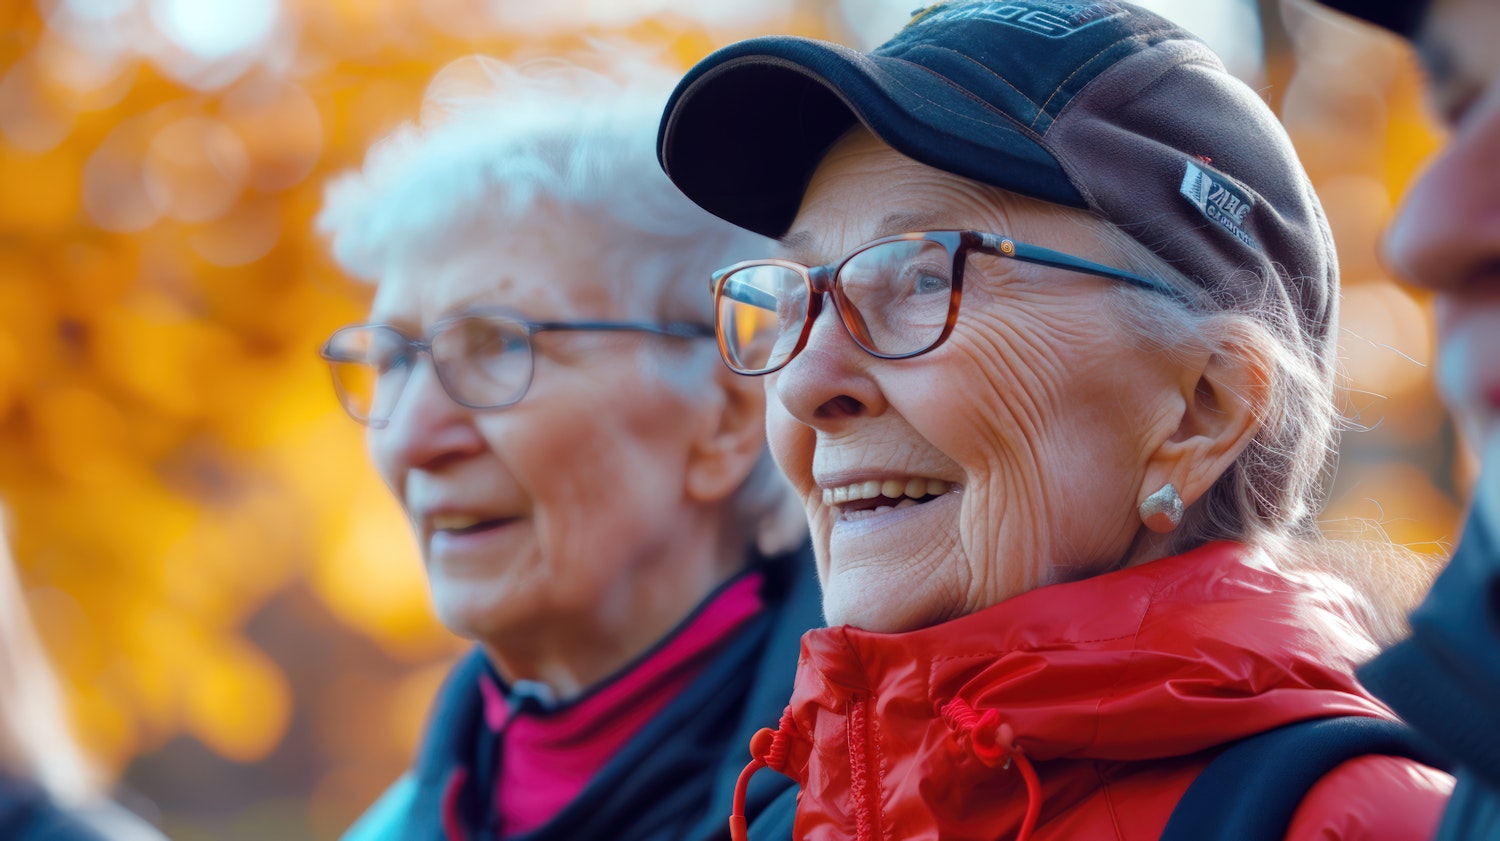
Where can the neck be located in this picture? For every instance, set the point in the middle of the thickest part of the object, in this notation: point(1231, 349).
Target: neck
point(633, 612)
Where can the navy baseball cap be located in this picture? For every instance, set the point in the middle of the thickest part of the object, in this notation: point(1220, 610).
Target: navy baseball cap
point(1102, 106)
point(1403, 17)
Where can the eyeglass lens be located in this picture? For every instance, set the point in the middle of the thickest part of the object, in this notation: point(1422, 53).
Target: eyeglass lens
point(482, 362)
point(894, 298)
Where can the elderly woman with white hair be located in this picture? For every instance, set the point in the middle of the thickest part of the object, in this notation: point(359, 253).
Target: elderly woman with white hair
point(589, 488)
point(1051, 341)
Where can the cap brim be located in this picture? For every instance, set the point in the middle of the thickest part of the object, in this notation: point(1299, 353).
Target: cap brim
point(1403, 17)
point(745, 129)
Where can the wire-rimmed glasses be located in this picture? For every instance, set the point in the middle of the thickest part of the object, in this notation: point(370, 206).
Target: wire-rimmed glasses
point(483, 358)
point(897, 296)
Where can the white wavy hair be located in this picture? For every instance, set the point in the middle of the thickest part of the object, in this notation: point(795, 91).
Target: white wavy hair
point(499, 143)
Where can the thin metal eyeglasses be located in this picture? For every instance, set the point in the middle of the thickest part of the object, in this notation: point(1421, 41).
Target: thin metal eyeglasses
point(897, 296)
point(483, 358)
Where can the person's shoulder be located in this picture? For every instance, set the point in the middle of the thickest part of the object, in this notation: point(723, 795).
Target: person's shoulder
point(385, 819)
point(111, 822)
point(1373, 797)
point(1474, 811)
point(28, 814)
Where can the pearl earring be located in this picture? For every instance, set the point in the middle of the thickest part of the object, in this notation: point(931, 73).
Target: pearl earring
point(1162, 511)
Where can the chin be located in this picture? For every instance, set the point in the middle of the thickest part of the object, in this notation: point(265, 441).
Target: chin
point(877, 611)
point(468, 611)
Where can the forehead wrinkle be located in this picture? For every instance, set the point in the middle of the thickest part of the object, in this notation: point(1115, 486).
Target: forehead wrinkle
point(903, 223)
point(801, 242)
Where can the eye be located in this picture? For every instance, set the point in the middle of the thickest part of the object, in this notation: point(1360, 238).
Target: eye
point(1451, 93)
point(484, 340)
point(387, 352)
point(927, 283)
point(1451, 102)
point(387, 364)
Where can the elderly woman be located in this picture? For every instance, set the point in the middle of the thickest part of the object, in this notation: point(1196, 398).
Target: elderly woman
point(1051, 345)
point(589, 488)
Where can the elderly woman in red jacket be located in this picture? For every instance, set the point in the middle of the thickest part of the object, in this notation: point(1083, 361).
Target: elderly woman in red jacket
point(1051, 346)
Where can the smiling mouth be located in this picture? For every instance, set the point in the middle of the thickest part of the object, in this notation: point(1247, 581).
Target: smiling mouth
point(465, 524)
point(871, 498)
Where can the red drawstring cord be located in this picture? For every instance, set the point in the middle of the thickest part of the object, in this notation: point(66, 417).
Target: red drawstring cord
point(1033, 796)
point(760, 745)
point(767, 750)
point(993, 743)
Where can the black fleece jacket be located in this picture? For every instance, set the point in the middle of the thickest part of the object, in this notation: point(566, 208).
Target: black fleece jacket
point(1445, 679)
point(674, 781)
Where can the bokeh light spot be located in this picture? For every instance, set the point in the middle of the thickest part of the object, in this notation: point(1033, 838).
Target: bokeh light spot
point(114, 186)
point(1388, 341)
point(213, 31)
point(280, 127)
point(195, 168)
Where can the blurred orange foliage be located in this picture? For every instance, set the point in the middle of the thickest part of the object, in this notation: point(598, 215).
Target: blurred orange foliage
point(228, 591)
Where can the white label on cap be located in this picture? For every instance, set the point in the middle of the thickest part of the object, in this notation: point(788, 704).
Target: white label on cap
point(1223, 203)
point(1054, 20)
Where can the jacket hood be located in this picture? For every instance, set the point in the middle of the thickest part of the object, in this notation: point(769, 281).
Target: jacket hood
point(1163, 660)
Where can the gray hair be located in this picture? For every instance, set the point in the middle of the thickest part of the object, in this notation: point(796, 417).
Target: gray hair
point(1277, 487)
point(1272, 496)
point(496, 143)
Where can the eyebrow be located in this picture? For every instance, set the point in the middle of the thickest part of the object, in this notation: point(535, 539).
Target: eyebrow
point(901, 223)
point(402, 320)
point(894, 223)
point(797, 241)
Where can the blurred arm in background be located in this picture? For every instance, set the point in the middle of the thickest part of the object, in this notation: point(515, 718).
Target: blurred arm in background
point(48, 788)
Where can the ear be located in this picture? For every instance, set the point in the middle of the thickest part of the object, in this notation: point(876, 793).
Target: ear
point(731, 441)
point(1224, 399)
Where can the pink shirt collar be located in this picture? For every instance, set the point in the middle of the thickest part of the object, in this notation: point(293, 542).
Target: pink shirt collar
point(551, 750)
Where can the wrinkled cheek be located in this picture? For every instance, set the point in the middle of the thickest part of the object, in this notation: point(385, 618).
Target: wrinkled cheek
point(791, 444)
point(1014, 516)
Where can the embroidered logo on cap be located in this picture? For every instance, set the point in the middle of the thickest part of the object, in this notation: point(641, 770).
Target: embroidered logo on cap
point(1054, 20)
point(1222, 202)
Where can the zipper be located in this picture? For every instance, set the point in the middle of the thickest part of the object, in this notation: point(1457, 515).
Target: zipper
point(864, 771)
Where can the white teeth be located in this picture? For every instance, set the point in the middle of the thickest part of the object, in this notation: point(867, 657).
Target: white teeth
point(914, 488)
point(454, 522)
point(879, 509)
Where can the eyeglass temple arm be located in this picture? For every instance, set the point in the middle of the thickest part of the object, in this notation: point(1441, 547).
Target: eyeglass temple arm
point(743, 292)
point(1040, 256)
point(680, 329)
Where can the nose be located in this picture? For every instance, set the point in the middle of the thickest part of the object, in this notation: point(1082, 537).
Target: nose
point(829, 382)
point(1446, 235)
point(426, 430)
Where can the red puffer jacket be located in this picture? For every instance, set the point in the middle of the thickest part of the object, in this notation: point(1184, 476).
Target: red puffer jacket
point(1110, 694)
